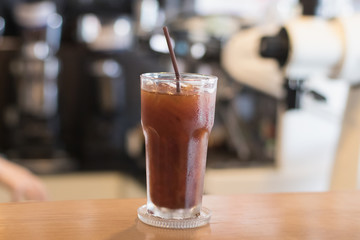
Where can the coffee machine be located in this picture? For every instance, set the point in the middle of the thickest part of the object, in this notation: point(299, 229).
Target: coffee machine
point(306, 46)
point(69, 84)
point(309, 45)
point(104, 40)
point(100, 103)
point(31, 116)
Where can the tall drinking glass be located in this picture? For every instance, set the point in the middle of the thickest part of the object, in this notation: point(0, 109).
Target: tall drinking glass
point(176, 122)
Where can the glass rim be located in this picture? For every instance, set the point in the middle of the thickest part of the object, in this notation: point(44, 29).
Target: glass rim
point(170, 76)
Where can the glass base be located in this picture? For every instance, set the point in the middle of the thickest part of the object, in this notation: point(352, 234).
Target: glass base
point(198, 221)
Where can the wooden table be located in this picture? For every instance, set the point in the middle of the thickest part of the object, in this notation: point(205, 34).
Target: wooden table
point(290, 216)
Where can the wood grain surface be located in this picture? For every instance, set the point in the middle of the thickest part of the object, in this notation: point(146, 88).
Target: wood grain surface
point(290, 216)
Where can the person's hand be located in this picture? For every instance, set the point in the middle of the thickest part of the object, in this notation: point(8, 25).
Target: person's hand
point(22, 184)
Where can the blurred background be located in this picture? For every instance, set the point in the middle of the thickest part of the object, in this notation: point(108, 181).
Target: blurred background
point(70, 99)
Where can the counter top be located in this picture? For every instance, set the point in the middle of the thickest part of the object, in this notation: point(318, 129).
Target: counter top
point(330, 215)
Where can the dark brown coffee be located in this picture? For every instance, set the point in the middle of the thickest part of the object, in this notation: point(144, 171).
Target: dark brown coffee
point(176, 128)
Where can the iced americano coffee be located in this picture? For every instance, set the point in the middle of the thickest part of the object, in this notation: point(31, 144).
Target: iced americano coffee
point(176, 122)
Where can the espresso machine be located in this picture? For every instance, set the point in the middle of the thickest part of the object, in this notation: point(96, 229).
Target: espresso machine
point(100, 75)
point(105, 125)
point(31, 117)
point(69, 84)
point(331, 47)
point(305, 46)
